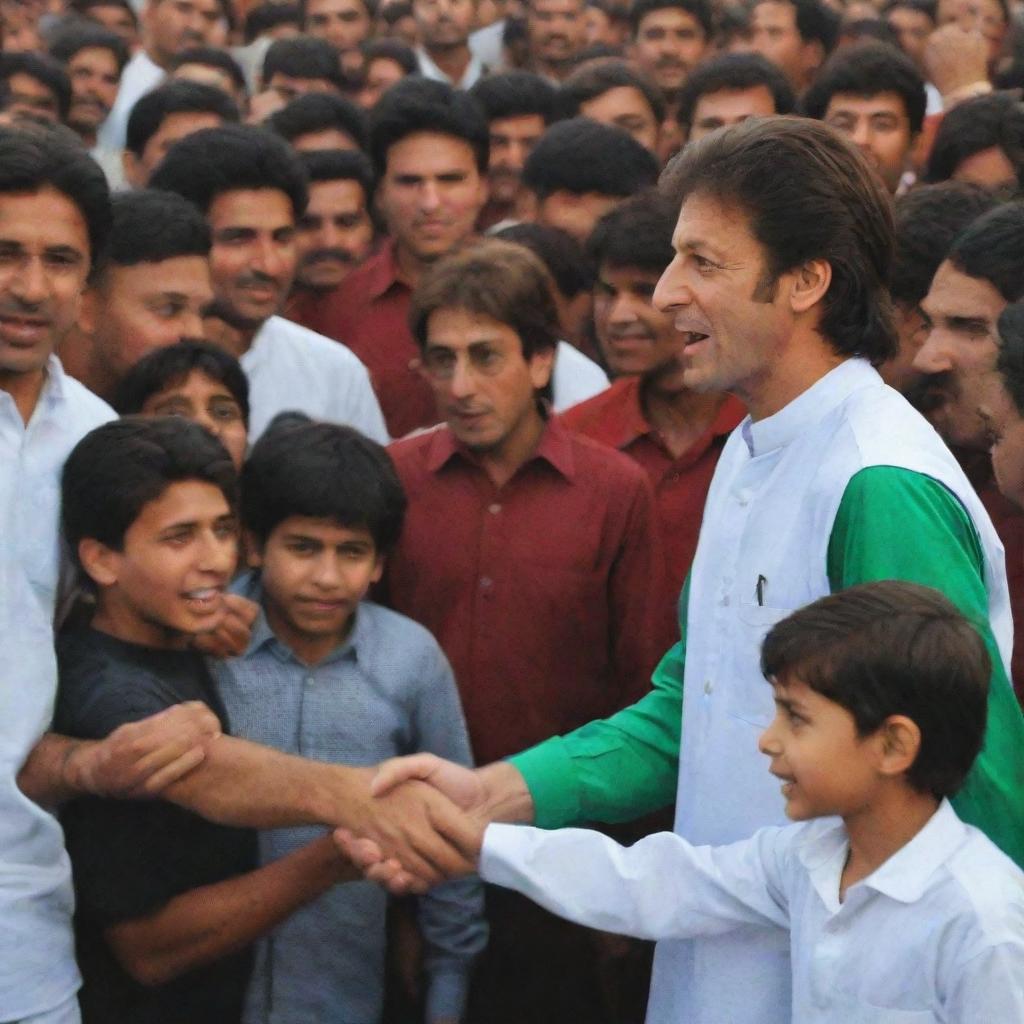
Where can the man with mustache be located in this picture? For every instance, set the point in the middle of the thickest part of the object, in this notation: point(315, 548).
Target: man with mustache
point(557, 32)
point(252, 190)
point(94, 60)
point(444, 53)
point(169, 27)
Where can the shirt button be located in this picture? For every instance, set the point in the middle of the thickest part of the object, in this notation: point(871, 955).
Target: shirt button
point(309, 680)
point(707, 686)
point(494, 509)
point(485, 582)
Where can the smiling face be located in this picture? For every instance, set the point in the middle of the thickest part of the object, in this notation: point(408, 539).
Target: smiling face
point(44, 261)
point(714, 291)
point(314, 574)
point(253, 258)
point(824, 766)
point(167, 582)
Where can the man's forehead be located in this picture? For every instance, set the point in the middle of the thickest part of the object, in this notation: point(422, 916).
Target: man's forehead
point(878, 102)
point(954, 293)
point(241, 205)
point(709, 220)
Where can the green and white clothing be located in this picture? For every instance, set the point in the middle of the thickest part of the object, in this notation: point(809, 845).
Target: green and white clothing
point(844, 485)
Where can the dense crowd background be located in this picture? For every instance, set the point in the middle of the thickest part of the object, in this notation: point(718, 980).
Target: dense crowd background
point(439, 223)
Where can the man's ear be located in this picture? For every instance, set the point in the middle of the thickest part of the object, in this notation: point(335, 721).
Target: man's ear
point(378, 569)
point(810, 282)
point(101, 564)
point(900, 744)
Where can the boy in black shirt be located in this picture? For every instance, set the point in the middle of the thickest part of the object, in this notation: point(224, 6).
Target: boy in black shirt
point(167, 901)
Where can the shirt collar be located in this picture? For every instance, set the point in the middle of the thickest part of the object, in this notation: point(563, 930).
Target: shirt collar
point(554, 447)
point(474, 70)
point(825, 394)
point(383, 271)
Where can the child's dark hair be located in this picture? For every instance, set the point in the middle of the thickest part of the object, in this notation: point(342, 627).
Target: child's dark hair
point(894, 648)
point(323, 471)
point(118, 468)
point(165, 367)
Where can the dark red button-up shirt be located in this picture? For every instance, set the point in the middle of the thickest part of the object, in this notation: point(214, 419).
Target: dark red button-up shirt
point(616, 418)
point(542, 592)
point(369, 313)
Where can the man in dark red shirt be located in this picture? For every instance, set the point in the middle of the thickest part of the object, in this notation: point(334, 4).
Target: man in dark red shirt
point(534, 557)
point(429, 144)
point(648, 413)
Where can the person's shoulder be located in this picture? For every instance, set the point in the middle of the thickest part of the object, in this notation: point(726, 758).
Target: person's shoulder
point(412, 451)
point(312, 344)
point(401, 652)
point(601, 465)
point(591, 416)
point(86, 410)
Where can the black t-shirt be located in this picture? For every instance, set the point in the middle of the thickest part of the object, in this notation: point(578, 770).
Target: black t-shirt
point(129, 858)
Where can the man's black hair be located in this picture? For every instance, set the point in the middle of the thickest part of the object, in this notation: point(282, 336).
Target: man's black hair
point(175, 97)
point(317, 112)
point(391, 49)
point(636, 234)
point(699, 9)
point(734, 72)
point(991, 249)
point(565, 258)
point(581, 156)
point(234, 157)
point(83, 7)
point(867, 29)
point(926, 7)
point(45, 70)
point(119, 468)
point(593, 80)
point(893, 648)
point(87, 35)
point(171, 365)
point(864, 70)
point(30, 161)
point(212, 57)
point(1010, 361)
point(394, 12)
point(264, 17)
point(303, 57)
point(996, 120)
point(808, 195)
point(515, 94)
point(323, 471)
point(370, 6)
point(150, 226)
point(928, 218)
point(815, 21)
point(339, 165)
point(416, 105)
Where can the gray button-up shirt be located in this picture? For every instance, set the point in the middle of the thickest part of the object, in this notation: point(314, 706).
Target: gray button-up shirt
point(388, 690)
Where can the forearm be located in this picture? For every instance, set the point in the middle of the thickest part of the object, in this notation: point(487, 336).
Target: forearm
point(48, 775)
point(214, 921)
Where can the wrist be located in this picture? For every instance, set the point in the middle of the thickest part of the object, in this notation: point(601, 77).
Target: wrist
point(982, 87)
point(75, 778)
point(506, 795)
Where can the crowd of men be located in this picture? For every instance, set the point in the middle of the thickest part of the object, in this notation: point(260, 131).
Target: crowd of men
point(384, 378)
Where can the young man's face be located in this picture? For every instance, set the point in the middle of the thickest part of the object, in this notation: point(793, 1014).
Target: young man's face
point(431, 193)
point(252, 262)
point(173, 128)
point(167, 582)
point(557, 30)
point(130, 311)
point(28, 97)
point(512, 140)
point(94, 80)
point(444, 24)
point(381, 74)
point(288, 87)
point(209, 403)
point(484, 386)
point(990, 168)
point(912, 28)
point(44, 262)
point(575, 213)
point(958, 354)
point(314, 574)
point(635, 338)
point(173, 26)
point(343, 23)
point(1004, 429)
point(627, 108)
point(669, 44)
point(774, 35)
point(728, 107)
point(712, 290)
point(118, 20)
point(879, 127)
point(824, 766)
point(334, 235)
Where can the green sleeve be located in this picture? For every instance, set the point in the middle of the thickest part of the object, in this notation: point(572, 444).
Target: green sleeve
point(621, 767)
point(897, 524)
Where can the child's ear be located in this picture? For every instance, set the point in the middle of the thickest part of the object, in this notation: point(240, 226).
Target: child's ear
point(253, 549)
point(99, 562)
point(901, 742)
point(378, 569)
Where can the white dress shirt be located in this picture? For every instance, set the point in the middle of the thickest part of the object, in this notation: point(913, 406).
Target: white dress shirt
point(428, 69)
point(769, 513)
point(575, 377)
point(31, 458)
point(936, 934)
point(291, 368)
point(141, 75)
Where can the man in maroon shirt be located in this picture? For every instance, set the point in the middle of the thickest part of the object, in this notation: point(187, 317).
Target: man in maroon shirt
point(674, 433)
point(428, 143)
point(534, 557)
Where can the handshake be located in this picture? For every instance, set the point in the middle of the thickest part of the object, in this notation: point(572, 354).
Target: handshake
point(449, 807)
